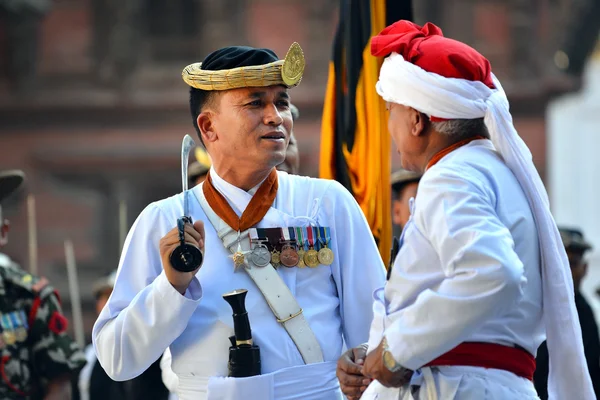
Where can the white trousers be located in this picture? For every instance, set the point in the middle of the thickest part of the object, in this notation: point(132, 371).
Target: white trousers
point(457, 382)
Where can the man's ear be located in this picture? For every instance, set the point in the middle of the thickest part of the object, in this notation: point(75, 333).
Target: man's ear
point(419, 122)
point(396, 212)
point(205, 123)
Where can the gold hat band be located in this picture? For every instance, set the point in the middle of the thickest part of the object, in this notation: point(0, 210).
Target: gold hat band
point(287, 72)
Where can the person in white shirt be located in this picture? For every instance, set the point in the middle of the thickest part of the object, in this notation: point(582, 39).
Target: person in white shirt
point(327, 262)
point(481, 276)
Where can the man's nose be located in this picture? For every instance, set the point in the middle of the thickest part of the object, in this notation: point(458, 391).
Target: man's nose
point(272, 116)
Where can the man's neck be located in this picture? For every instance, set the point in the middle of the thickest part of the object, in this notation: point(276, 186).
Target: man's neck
point(243, 179)
point(438, 142)
point(435, 143)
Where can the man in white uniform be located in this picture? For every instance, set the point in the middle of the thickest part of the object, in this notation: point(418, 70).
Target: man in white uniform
point(323, 267)
point(480, 275)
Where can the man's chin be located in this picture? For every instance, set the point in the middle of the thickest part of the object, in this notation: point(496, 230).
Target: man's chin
point(409, 166)
point(283, 167)
point(276, 158)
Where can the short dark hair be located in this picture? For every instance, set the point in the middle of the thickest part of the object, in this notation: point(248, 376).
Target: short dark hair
point(198, 100)
point(398, 188)
point(295, 112)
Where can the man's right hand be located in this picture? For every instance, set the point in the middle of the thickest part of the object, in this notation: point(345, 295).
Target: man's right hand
point(349, 372)
point(194, 235)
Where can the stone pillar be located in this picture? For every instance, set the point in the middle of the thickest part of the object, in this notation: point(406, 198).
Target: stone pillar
point(22, 23)
point(223, 23)
point(118, 40)
point(523, 20)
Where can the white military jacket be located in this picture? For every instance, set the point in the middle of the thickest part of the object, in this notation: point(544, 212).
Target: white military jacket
point(145, 314)
point(468, 269)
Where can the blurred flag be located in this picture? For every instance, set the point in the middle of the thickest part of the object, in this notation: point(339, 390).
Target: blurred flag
point(355, 143)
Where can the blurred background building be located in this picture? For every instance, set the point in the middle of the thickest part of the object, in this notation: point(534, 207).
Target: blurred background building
point(93, 108)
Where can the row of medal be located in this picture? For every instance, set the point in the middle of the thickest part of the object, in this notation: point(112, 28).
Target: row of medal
point(291, 247)
point(14, 328)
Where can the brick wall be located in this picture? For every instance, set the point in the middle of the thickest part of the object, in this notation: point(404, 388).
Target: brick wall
point(77, 135)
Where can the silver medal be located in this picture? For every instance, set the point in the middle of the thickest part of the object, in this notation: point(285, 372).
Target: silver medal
point(260, 256)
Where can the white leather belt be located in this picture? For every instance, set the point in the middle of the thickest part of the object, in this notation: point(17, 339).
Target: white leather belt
point(278, 296)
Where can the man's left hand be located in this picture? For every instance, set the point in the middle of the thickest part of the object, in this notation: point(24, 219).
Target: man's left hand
point(374, 368)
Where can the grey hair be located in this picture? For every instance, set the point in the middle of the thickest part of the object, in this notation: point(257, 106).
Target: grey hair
point(461, 128)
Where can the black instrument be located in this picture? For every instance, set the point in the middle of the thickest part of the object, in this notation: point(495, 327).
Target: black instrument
point(185, 257)
point(244, 356)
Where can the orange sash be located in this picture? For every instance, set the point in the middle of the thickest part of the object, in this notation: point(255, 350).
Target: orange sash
point(439, 155)
point(256, 210)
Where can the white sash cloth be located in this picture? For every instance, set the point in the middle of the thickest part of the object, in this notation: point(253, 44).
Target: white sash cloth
point(305, 382)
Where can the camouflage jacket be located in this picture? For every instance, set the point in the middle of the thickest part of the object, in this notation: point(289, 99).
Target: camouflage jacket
point(34, 346)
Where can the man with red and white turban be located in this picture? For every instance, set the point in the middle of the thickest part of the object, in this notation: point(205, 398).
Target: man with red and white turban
point(481, 277)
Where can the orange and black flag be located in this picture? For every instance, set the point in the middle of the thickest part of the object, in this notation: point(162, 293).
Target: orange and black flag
point(355, 143)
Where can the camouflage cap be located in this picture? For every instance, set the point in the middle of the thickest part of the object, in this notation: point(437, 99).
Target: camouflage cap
point(202, 164)
point(104, 283)
point(10, 181)
point(402, 177)
point(573, 239)
point(196, 170)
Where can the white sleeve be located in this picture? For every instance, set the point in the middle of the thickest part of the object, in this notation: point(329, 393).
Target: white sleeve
point(484, 277)
point(169, 378)
point(359, 270)
point(144, 313)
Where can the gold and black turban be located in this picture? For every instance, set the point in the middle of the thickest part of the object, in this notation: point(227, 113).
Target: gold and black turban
point(241, 66)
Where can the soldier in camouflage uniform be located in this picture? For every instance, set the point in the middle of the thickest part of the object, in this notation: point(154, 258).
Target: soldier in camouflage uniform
point(38, 357)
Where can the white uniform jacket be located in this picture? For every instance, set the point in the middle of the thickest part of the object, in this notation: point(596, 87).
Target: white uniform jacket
point(145, 314)
point(468, 269)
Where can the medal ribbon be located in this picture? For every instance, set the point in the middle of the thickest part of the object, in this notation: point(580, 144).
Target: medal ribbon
point(254, 212)
point(322, 239)
point(24, 319)
point(292, 233)
point(319, 241)
point(317, 238)
point(301, 241)
point(253, 232)
point(15, 321)
point(7, 323)
point(286, 235)
point(309, 236)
